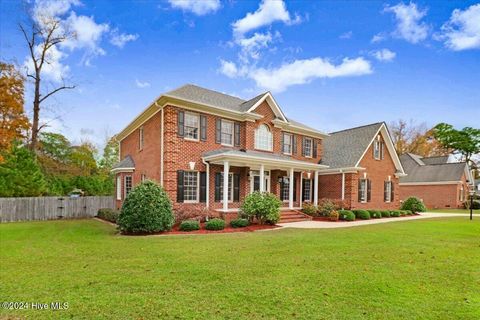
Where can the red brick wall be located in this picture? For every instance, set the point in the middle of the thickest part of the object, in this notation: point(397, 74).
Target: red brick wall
point(437, 196)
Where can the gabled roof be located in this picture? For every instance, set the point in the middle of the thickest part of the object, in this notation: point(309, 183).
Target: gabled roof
point(419, 170)
point(435, 160)
point(127, 164)
point(343, 149)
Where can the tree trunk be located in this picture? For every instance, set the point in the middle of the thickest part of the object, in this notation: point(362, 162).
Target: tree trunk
point(36, 111)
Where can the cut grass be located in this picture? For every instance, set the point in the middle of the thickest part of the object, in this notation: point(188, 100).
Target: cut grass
point(453, 211)
point(424, 269)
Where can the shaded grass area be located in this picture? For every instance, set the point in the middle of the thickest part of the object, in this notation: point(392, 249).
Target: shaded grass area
point(453, 211)
point(424, 269)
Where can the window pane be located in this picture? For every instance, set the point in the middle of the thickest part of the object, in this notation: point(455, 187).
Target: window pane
point(376, 149)
point(230, 185)
point(307, 147)
point(227, 132)
point(363, 190)
point(286, 188)
point(190, 185)
point(307, 189)
point(128, 184)
point(191, 126)
point(263, 138)
point(287, 143)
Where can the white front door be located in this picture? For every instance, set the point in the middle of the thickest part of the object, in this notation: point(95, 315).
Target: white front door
point(255, 181)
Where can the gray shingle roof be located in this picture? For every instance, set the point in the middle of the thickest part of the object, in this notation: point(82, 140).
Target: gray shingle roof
point(244, 107)
point(253, 153)
point(430, 172)
point(344, 148)
point(126, 163)
point(435, 160)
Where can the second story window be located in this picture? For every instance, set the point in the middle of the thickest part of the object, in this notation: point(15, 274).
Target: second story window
point(227, 132)
point(140, 138)
point(307, 147)
point(263, 138)
point(287, 143)
point(192, 125)
point(378, 147)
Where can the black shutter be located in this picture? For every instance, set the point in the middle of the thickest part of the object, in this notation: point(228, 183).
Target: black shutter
point(294, 189)
point(218, 177)
point(180, 186)
point(314, 142)
point(294, 144)
point(236, 187)
point(282, 186)
point(203, 127)
point(385, 191)
point(203, 186)
point(303, 189)
point(303, 146)
point(181, 123)
point(369, 190)
point(218, 131)
point(392, 193)
point(282, 142)
point(360, 190)
point(237, 134)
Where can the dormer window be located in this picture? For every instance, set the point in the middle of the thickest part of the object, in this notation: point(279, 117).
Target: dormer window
point(263, 138)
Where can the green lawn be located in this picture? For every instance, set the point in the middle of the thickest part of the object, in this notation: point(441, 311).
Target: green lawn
point(424, 269)
point(453, 211)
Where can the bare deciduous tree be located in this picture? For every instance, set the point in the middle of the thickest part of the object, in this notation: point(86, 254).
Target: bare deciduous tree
point(42, 35)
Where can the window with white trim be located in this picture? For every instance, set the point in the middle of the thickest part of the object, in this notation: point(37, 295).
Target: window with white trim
point(307, 147)
point(263, 138)
point(191, 186)
point(363, 190)
point(192, 125)
point(307, 190)
point(226, 132)
point(462, 193)
point(144, 177)
point(230, 186)
point(140, 138)
point(128, 185)
point(388, 191)
point(287, 143)
point(377, 149)
point(119, 187)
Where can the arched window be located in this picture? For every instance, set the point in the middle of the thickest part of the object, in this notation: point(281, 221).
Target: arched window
point(263, 138)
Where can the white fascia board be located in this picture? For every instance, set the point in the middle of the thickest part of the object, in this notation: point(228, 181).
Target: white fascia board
point(288, 127)
point(272, 103)
point(341, 170)
point(428, 183)
point(118, 170)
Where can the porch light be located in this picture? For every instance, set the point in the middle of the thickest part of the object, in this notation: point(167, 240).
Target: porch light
point(192, 165)
point(309, 174)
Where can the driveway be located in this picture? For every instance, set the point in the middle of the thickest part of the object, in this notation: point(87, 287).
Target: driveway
point(343, 224)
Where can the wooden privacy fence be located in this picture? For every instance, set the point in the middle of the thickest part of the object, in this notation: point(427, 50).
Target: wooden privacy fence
point(47, 208)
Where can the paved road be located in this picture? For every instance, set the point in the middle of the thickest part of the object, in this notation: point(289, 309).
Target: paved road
point(342, 224)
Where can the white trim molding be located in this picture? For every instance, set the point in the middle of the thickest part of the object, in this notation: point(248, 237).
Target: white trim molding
point(428, 183)
point(119, 170)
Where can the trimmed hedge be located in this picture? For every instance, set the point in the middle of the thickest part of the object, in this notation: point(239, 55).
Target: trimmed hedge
point(375, 214)
point(403, 212)
point(346, 215)
point(409, 212)
point(189, 225)
point(362, 214)
point(239, 223)
point(215, 224)
point(395, 213)
point(263, 206)
point(413, 204)
point(108, 214)
point(385, 213)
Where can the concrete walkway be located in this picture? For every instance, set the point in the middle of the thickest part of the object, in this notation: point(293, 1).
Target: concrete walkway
point(343, 224)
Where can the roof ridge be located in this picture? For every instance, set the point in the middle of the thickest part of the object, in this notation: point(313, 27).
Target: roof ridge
point(363, 126)
point(207, 89)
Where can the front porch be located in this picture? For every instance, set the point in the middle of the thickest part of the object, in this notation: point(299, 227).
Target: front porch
point(292, 181)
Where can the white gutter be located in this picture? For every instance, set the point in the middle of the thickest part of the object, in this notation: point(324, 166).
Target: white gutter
point(162, 130)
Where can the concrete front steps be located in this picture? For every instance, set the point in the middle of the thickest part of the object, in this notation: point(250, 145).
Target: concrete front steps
point(293, 216)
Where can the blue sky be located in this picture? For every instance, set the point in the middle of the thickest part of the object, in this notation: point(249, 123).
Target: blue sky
point(331, 65)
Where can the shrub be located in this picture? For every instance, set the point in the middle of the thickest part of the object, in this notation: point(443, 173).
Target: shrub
point(199, 214)
point(402, 212)
point(309, 209)
point(108, 214)
point(395, 213)
point(375, 214)
point(263, 206)
point(346, 215)
point(215, 224)
point(385, 213)
point(334, 215)
point(326, 206)
point(239, 223)
point(413, 204)
point(476, 205)
point(408, 212)
point(362, 214)
point(189, 225)
point(146, 209)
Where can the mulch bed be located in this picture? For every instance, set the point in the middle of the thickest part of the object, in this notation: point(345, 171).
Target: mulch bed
point(326, 219)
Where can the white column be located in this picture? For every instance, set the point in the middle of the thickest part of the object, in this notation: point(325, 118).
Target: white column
point(262, 178)
point(290, 189)
point(301, 188)
point(315, 189)
point(226, 169)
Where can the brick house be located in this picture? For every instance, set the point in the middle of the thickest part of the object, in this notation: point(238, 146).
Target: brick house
point(363, 168)
point(438, 181)
point(190, 138)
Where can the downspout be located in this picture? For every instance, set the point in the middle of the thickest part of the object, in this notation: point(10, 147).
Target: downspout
point(343, 186)
point(162, 151)
point(207, 187)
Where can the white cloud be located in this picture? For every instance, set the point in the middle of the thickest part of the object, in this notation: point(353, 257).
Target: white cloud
point(198, 7)
point(53, 69)
point(346, 35)
point(228, 68)
point(140, 84)
point(378, 37)
point(409, 24)
point(268, 12)
point(384, 55)
point(44, 9)
point(120, 39)
point(250, 47)
point(462, 31)
point(304, 71)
